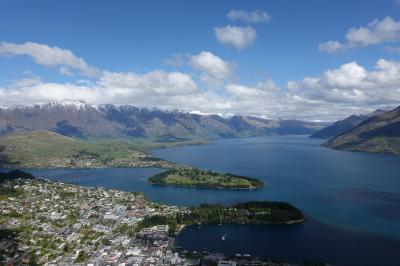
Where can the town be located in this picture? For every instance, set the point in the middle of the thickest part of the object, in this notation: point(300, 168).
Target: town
point(45, 222)
point(66, 224)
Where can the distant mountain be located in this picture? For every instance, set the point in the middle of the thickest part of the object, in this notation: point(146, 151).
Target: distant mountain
point(254, 126)
point(379, 133)
point(78, 119)
point(342, 126)
point(339, 127)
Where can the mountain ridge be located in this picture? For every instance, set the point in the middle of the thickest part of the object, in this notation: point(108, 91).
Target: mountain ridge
point(379, 133)
point(339, 127)
point(78, 119)
point(342, 126)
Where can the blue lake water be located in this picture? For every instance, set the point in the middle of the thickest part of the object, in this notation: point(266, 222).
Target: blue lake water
point(358, 191)
point(352, 200)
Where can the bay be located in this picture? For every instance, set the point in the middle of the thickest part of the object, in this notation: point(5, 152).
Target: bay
point(351, 200)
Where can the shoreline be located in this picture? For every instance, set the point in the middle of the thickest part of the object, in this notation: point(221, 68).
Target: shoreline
point(292, 222)
point(182, 226)
point(205, 187)
point(166, 166)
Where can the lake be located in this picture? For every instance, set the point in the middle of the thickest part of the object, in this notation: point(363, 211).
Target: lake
point(352, 200)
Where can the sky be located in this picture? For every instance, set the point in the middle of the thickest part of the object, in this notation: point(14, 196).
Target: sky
point(314, 60)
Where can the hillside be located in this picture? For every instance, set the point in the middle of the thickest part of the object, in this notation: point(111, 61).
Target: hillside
point(379, 133)
point(78, 119)
point(51, 150)
point(339, 127)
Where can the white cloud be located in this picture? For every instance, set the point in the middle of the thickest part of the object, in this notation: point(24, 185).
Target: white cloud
point(352, 86)
point(152, 83)
point(237, 37)
point(156, 88)
point(28, 80)
point(375, 32)
point(48, 56)
point(177, 60)
point(336, 93)
point(46, 92)
point(65, 71)
point(214, 70)
point(261, 90)
point(347, 76)
point(254, 16)
point(331, 47)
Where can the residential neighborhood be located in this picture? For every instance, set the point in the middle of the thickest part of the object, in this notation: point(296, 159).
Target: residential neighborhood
point(44, 222)
point(65, 224)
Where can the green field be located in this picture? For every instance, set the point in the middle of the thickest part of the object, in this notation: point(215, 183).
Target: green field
point(193, 177)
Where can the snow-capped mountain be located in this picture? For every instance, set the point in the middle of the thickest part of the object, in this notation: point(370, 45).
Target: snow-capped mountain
point(79, 119)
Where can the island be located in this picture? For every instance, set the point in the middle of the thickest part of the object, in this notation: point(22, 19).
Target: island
point(194, 177)
point(49, 222)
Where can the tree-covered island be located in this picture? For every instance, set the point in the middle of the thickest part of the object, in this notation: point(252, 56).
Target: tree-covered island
point(193, 177)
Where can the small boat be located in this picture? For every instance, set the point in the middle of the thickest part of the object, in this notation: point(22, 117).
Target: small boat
point(224, 237)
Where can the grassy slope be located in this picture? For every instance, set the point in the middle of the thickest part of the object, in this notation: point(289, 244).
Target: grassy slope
point(205, 179)
point(46, 148)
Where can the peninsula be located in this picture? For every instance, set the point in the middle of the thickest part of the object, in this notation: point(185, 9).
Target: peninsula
point(252, 212)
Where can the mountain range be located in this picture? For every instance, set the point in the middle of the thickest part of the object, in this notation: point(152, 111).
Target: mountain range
point(339, 127)
point(342, 126)
point(378, 133)
point(81, 120)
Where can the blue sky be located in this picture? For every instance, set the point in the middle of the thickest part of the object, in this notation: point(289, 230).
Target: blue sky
point(138, 37)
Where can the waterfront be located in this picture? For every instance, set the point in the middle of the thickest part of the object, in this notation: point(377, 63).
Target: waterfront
point(358, 194)
point(294, 243)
